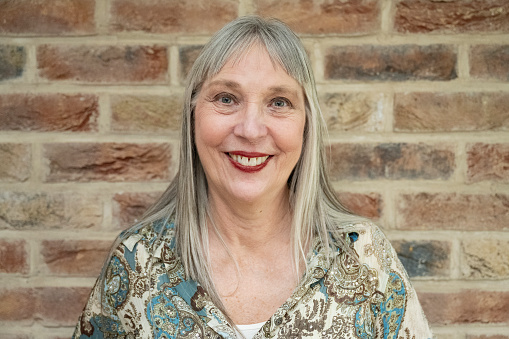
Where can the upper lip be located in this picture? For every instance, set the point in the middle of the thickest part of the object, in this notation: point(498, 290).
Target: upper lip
point(249, 154)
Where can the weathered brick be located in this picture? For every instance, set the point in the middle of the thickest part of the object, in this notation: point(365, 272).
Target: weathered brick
point(161, 16)
point(15, 162)
point(109, 64)
point(324, 17)
point(353, 111)
point(485, 258)
point(469, 306)
point(43, 17)
point(129, 207)
point(61, 305)
point(452, 211)
point(52, 305)
point(187, 57)
point(456, 16)
point(153, 114)
point(66, 210)
point(488, 162)
point(74, 257)
point(443, 112)
point(490, 62)
point(424, 258)
point(49, 112)
point(13, 336)
point(391, 63)
point(14, 256)
point(107, 162)
point(12, 61)
point(366, 205)
point(16, 304)
point(391, 161)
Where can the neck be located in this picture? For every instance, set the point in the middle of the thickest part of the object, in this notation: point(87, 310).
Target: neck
point(251, 225)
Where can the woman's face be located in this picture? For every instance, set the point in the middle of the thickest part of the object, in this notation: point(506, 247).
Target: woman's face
point(249, 126)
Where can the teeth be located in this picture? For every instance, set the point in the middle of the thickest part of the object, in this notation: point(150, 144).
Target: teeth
point(245, 161)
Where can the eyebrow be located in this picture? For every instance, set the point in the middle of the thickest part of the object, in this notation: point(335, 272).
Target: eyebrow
point(273, 90)
point(227, 83)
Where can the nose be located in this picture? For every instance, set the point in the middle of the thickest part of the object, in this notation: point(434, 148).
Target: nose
point(251, 124)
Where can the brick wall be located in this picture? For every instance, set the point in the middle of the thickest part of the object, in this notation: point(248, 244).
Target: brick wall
point(416, 96)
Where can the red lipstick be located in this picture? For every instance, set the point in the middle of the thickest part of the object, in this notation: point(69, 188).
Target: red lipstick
point(248, 169)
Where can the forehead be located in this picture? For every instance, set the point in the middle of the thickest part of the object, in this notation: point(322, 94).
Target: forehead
point(253, 66)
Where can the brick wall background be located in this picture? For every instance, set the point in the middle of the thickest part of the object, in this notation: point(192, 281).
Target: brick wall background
point(416, 96)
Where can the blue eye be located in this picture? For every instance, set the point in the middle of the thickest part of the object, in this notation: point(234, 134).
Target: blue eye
point(226, 100)
point(280, 102)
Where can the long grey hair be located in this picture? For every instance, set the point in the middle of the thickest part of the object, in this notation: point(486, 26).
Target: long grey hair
point(316, 210)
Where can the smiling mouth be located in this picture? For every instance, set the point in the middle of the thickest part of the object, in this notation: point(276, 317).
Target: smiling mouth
point(247, 161)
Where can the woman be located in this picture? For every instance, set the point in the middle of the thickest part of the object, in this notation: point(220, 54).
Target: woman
point(249, 240)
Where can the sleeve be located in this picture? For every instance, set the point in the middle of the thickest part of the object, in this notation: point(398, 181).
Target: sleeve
point(398, 312)
point(99, 318)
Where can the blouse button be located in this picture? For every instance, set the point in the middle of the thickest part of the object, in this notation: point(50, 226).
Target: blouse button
point(278, 321)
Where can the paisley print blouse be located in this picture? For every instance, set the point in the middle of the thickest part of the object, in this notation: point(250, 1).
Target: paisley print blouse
point(146, 294)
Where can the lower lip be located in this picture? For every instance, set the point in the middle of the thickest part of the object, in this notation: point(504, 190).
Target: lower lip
point(249, 169)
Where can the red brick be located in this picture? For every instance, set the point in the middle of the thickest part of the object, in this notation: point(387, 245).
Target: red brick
point(452, 211)
point(488, 162)
point(47, 17)
point(391, 161)
point(12, 61)
point(107, 162)
point(456, 16)
point(444, 112)
point(75, 257)
point(391, 63)
point(187, 57)
point(161, 16)
point(353, 111)
point(14, 256)
point(129, 207)
point(465, 307)
point(51, 305)
point(17, 304)
point(106, 64)
point(65, 210)
point(49, 112)
point(154, 114)
point(485, 258)
point(425, 258)
point(490, 62)
point(61, 305)
point(324, 17)
point(13, 336)
point(366, 205)
point(16, 162)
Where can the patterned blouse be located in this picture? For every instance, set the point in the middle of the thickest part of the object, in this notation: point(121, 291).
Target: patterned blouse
point(146, 294)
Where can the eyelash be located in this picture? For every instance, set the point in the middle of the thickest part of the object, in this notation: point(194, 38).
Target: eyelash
point(286, 101)
point(233, 99)
point(220, 96)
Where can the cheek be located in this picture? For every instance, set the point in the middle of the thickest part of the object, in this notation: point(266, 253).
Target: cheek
point(291, 138)
point(209, 131)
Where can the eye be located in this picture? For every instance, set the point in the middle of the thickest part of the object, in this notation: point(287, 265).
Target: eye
point(225, 99)
point(281, 102)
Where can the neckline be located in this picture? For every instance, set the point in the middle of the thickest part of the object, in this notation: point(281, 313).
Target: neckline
point(250, 326)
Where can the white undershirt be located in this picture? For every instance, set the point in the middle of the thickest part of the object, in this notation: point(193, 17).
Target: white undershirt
point(248, 331)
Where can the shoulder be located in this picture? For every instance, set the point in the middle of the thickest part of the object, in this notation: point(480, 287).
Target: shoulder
point(138, 245)
point(148, 233)
point(369, 244)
